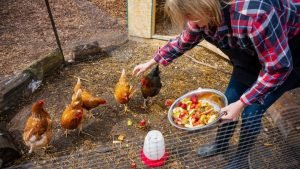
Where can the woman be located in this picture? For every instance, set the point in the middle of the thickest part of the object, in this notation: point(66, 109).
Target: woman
point(262, 41)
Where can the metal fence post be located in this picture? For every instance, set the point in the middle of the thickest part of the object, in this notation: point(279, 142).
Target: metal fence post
point(54, 27)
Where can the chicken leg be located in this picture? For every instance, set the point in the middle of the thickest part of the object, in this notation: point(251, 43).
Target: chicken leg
point(30, 150)
point(79, 129)
point(66, 133)
point(147, 100)
point(90, 114)
point(145, 104)
point(125, 108)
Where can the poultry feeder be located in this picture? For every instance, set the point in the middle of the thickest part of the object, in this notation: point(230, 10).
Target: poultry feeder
point(154, 153)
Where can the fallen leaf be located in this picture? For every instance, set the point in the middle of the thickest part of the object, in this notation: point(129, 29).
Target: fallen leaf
point(268, 144)
point(129, 122)
point(169, 102)
point(121, 137)
point(117, 142)
point(133, 164)
point(142, 124)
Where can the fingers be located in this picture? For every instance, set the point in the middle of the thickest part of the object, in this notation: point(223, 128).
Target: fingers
point(225, 118)
point(227, 115)
point(223, 121)
point(137, 71)
point(224, 110)
point(141, 68)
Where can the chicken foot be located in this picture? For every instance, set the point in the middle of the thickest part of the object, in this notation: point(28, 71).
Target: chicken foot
point(30, 150)
point(125, 108)
point(90, 115)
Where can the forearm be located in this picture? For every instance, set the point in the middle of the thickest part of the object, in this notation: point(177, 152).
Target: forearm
point(152, 62)
point(189, 38)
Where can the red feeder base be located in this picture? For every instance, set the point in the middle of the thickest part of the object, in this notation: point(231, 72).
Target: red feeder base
point(154, 163)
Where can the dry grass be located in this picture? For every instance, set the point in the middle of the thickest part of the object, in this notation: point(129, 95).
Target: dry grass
point(101, 75)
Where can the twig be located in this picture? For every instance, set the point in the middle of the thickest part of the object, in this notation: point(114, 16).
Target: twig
point(206, 64)
point(81, 78)
point(117, 142)
point(87, 134)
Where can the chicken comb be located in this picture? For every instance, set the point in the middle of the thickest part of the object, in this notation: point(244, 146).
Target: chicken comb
point(41, 102)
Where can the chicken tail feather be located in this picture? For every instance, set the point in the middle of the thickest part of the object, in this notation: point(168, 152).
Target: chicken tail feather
point(78, 85)
point(77, 97)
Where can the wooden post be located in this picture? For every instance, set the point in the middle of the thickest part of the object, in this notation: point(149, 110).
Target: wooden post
point(141, 18)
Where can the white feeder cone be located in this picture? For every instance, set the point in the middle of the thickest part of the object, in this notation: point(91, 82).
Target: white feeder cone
point(154, 145)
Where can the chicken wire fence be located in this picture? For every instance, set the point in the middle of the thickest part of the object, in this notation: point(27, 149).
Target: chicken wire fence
point(270, 149)
point(80, 23)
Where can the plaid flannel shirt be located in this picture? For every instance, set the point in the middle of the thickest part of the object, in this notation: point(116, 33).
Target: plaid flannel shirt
point(265, 25)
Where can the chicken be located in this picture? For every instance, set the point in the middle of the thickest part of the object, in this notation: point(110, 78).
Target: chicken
point(123, 90)
point(73, 114)
point(89, 101)
point(151, 85)
point(38, 128)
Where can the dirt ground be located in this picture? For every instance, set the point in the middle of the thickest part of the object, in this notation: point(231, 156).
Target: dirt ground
point(102, 74)
point(115, 8)
point(95, 146)
point(26, 33)
point(163, 24)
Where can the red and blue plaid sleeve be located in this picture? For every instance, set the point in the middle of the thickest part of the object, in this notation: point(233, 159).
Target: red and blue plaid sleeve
point(271, 42)
point(189, 38)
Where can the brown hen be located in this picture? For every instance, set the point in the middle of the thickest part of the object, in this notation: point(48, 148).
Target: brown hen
point(89, 101)
point(38, 128)
point(123, 90)
point(73, 115)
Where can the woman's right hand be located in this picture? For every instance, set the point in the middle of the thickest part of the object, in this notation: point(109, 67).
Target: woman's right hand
point(139, 69)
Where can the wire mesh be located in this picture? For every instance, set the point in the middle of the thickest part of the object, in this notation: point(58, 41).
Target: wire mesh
point(270, 150)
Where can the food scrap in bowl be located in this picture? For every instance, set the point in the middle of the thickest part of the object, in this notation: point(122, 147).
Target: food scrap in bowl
point(194, 111)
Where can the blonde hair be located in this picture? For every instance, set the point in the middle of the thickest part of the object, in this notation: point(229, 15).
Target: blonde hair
point(210, 10)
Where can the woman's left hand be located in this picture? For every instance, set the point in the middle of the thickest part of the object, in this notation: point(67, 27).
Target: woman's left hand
point(233, 110)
